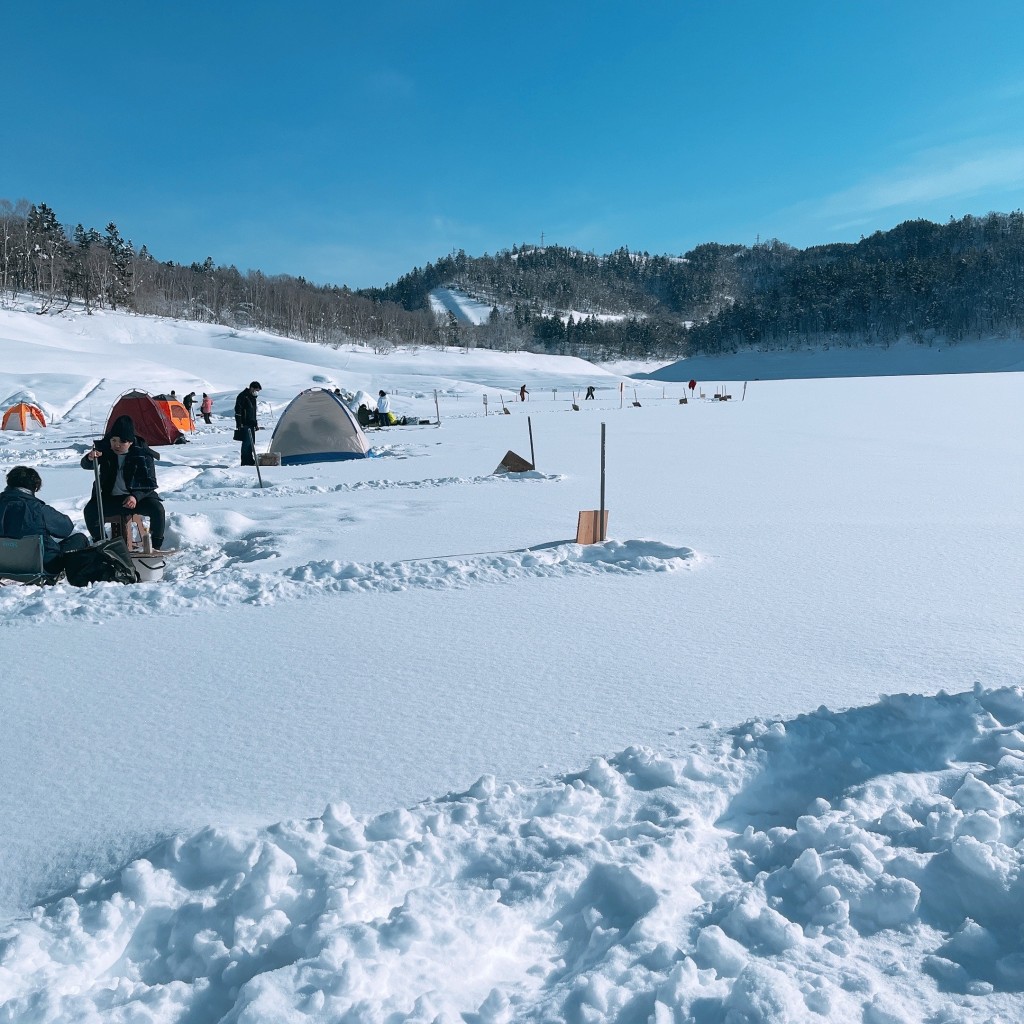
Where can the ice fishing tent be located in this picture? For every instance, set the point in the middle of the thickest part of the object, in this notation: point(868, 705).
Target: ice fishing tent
point(176, 413)
point(23, 416)
point(150, 419)
point(318, 426)
point(362, 398)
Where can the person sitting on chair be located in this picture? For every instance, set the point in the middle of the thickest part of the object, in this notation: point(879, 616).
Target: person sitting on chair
point(22, 514)
point(127, 480)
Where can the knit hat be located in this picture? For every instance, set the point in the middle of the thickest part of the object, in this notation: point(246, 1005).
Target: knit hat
point(123, 428)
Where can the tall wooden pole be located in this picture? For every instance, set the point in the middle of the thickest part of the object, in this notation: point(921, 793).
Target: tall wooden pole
point(533, 459)
point(600, 521)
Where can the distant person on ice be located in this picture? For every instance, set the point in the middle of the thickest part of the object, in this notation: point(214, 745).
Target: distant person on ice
point(245, 421)
point(693, 387)
point(22, 514)
point(590, 392)
point(206, 407)
point(127, 480)
point(384, 414)
point(188, 401)
point(523, 393)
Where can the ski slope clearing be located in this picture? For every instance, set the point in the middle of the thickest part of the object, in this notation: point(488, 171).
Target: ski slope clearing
point(539, 805)
point(463, 307)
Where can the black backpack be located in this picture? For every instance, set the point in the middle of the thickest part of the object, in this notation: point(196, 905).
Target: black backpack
point(105, 562)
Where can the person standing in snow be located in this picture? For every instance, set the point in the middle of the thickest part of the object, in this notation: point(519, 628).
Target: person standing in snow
point(188, 401)
point(22, 514)
point(523, 393)
point(127, 480)
point(245, 421)
point(384, 417)
point(206, 407)
point(590, 392)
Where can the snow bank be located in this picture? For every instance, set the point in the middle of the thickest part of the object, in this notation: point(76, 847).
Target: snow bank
point(226, 553)
point(720, 882)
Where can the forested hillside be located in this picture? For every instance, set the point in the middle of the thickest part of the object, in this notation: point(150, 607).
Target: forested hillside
point(921, 281)
point(60, 264)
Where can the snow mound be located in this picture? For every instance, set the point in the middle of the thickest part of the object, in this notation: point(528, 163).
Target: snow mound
point(225, 566)
point(722, 882)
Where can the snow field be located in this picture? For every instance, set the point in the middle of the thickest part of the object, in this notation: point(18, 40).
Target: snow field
point(369, 635)
point(718, 881)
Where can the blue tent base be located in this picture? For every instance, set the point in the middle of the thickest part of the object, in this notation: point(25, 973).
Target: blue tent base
point(302, 460)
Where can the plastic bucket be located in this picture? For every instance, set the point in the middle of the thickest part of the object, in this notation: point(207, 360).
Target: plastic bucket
point(149, 568)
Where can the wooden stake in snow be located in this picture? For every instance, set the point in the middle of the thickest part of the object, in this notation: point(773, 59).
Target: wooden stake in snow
point(533, 458)
point(592, 526)
point(485, 405)
point(437, 408)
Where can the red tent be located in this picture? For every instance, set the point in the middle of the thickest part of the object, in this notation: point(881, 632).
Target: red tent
point(151, 421)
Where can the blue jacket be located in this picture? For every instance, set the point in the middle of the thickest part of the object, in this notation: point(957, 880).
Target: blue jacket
point(24, 515)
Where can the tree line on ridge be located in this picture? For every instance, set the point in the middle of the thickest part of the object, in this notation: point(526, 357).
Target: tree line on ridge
point(920, 281)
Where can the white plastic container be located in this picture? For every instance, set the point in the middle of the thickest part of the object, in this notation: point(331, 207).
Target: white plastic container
point(149, 568)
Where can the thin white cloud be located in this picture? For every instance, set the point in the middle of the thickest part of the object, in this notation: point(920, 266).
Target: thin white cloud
point(1012, 90)
point(934, 176)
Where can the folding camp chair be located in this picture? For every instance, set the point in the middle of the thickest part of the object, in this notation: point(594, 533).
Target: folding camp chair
point(21, 561)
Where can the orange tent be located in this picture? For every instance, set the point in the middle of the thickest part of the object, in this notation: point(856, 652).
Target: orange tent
point(177, 414)
point(23, 416)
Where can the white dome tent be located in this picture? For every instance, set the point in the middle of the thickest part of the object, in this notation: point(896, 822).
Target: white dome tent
point(362, 398)
point(317, 426)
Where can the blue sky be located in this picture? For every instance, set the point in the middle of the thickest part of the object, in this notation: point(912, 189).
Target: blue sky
point(351, 142)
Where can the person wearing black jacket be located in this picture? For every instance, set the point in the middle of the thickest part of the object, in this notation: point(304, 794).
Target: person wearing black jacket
point(127, 480)
point(22, 514)
point(245, 421)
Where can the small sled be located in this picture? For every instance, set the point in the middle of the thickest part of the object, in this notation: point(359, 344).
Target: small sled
point(513, 463)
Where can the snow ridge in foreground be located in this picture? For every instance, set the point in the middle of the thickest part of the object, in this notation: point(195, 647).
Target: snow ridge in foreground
point(231, 569)
point(723, 882)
